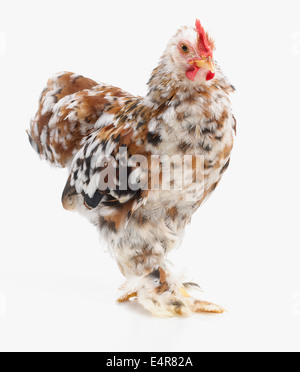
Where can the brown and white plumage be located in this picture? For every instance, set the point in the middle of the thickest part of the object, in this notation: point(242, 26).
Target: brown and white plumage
point(82, 125)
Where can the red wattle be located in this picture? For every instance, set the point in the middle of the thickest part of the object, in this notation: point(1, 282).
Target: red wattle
point(191, 74)
point(210, 76)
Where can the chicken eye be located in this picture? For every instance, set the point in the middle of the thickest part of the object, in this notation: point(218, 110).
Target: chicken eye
point(185, 48)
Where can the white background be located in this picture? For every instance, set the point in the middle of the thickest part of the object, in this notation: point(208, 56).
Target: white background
point(57, 285)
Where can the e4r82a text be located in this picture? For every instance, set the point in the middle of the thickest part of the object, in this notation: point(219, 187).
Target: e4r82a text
point(171, 362)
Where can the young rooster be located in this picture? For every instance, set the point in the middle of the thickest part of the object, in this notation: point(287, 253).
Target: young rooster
point(93, 128)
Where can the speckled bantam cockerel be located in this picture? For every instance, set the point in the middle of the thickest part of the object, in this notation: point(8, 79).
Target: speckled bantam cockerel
point(95, 130)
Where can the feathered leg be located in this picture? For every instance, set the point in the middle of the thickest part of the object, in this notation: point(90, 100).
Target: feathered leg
point(163, 295)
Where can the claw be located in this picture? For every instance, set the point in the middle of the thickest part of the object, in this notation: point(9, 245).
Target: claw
point(127, 297)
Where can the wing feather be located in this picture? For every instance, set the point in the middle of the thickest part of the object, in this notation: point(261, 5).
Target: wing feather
point(97, 174)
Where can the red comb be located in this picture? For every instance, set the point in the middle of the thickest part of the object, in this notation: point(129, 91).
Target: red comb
point(203, 42)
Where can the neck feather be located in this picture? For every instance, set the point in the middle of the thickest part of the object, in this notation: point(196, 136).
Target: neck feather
point(166, 83)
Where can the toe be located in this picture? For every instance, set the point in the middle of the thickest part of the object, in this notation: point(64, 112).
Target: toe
point(127, 297)
point(206, 307)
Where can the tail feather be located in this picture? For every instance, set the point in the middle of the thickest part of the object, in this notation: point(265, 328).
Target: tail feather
point(54, 133)
point(34, 145)
point(69, 109)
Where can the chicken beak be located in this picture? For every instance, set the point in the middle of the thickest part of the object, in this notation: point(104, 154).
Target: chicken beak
point(205, 63)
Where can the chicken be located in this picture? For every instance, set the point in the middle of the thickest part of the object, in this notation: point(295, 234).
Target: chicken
point(118, 148)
